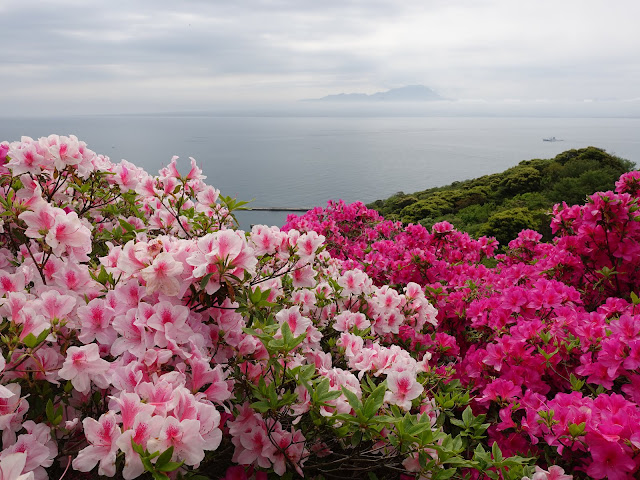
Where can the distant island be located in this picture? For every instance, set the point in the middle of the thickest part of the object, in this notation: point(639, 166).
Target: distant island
point(410, 93)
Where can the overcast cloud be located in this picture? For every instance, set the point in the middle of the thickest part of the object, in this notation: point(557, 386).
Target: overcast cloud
point(83, 56)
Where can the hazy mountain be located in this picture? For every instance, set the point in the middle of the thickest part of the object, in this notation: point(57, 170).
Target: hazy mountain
point(410, 93)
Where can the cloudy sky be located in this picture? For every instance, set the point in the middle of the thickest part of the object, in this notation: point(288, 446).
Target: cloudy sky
point(84, 56)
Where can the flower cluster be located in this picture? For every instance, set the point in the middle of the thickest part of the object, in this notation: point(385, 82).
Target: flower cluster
point(544, 337)
point(143, 333)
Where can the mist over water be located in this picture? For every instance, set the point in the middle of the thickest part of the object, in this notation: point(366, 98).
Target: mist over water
point(303, 161)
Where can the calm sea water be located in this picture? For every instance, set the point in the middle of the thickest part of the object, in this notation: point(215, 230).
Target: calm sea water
point(305, 161)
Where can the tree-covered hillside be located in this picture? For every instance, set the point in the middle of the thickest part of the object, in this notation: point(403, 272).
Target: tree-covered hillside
point(503, 204)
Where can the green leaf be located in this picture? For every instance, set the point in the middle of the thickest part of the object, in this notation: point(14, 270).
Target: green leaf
point(577, 430)
point(137, 448)
point(352, 399)
point(169, 466)
point(49, 411)
point(205, 280)
point(43, 336)
point(467, 416)
point(496, 452)
point(126, 226)
point(375, 400)
point(30, 340)
point(164, 458)
point(445, 474)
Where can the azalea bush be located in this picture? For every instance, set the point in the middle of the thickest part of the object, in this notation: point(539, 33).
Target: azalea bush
point(144, 335)
point(545, 337)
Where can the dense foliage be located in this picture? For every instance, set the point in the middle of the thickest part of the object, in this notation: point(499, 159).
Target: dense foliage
point(142, 334)
point(503, 204)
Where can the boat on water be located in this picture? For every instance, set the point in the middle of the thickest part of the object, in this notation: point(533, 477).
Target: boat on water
point(551, 139)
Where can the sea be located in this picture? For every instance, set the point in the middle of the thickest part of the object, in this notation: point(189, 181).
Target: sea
point(300, 162)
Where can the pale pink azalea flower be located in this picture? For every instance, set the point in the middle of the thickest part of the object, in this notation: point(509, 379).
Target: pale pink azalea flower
point(352, 344)
point(84, 365)
point(133, 257)
point(27, 157)
point(162, 275)
point(402, 388)
point(171, 170)
point(31, 322)
point(354, 282)
point(65, 151)
point(412, 463)
point(339, 378)
point(68, 233)
point(12, 410)
point(345, 321)
point(30, 195)
point(207, 199)
point(132, 337)
point(40, 220)
point(248, 345)
point(386, 299)
point(290, 449)
point(11, 305)
point(127, 175)
point(292, 316)
point(40, 450)
point(126, 295)
point(73, 277)
point(102, 436)
point(44, 364)
point(308, 243)
point(128, 374)
point(95, 322)
point(184, 436)
point(52, 304)
point(209, 419)
point(202, 374)
point(554, 473)
point(303, 276)
point(143, 428)
point(12, 466)
point(170, 324)
point(221, 254)
point(161, 395)
point(129, 405)
point(146, 186)
point(255, 447)
point(266, 240)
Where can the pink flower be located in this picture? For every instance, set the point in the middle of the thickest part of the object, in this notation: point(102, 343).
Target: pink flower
point(222, 254)
point(184, 436)
point(38, 454)
point(403, 388)
point(68, 233)
point(297, 323)
point(143, 428)
point(163, 275)
point(554, 473)
point(40, 220)
point(610, 459)
point(308, 244)
point(102, 435)
point(12, 465)
point(83, 365)
point(95, 322)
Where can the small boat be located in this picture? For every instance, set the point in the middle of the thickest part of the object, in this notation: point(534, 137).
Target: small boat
point(551, 139)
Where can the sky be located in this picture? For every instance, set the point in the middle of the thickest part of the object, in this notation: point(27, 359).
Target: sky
point(85, 56)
